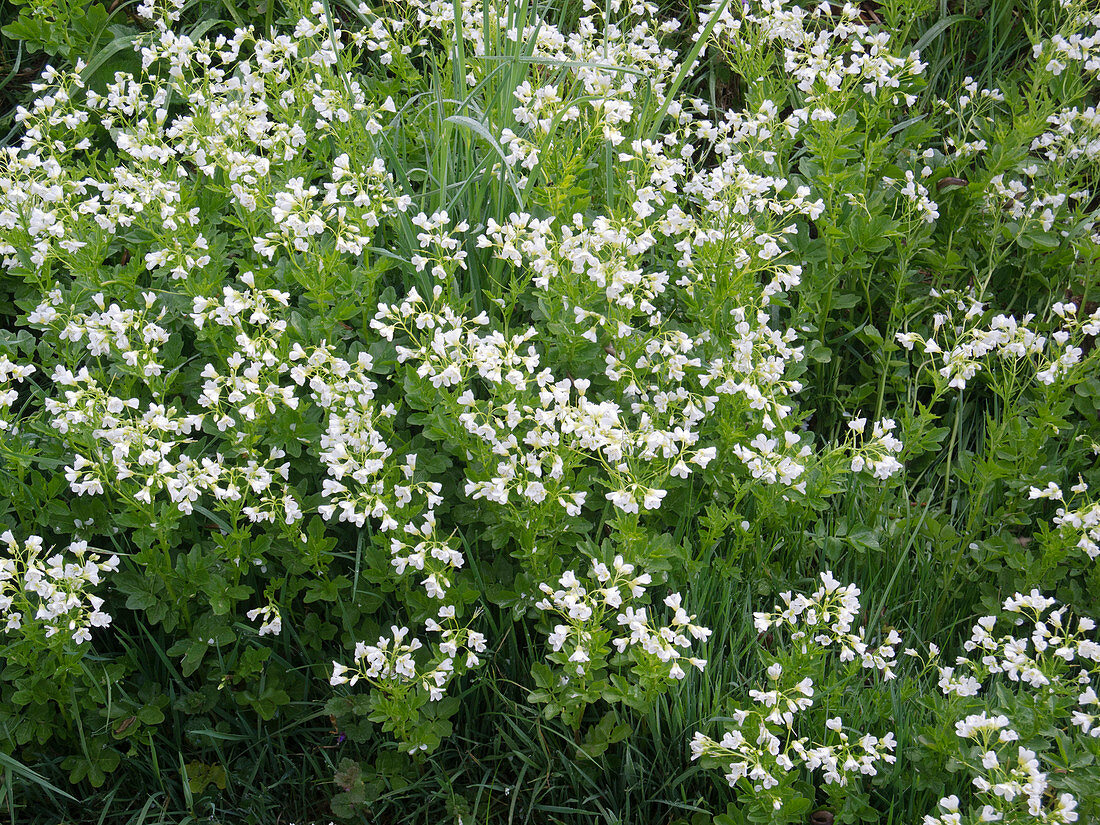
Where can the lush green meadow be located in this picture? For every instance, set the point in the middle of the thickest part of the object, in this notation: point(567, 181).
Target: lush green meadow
point(587, 411)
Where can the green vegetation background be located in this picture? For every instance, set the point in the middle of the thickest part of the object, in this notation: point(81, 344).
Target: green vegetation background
point(504, 763)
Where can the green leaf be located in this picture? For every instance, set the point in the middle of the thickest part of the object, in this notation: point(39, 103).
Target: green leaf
point(150, 715)
point(482, 132)
point(939, 27)
point(326, 590)
point(15, 766)
point(819, 352)
point(196, 651)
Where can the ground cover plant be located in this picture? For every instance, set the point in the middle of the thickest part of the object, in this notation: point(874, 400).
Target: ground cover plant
point(504, 411)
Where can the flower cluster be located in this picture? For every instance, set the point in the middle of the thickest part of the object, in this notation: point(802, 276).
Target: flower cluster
point(968, 346)
point(1082, 46)
point(1014, 788)
point(1057, 656)
point(582, 639)
point(11, 372)
point(524, 440)
point(877, 454)
point(1079, 526)
point(758, 753)
point(443, 246)
point(271, 620)
point(129, 337)
point(770, 743)
point(51, 594)
point(824, 619)
point(393, 663)
point(828, 50)
point(1051, 661)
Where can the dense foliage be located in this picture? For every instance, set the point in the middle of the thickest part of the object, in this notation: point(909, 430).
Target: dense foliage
point(413, 409)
